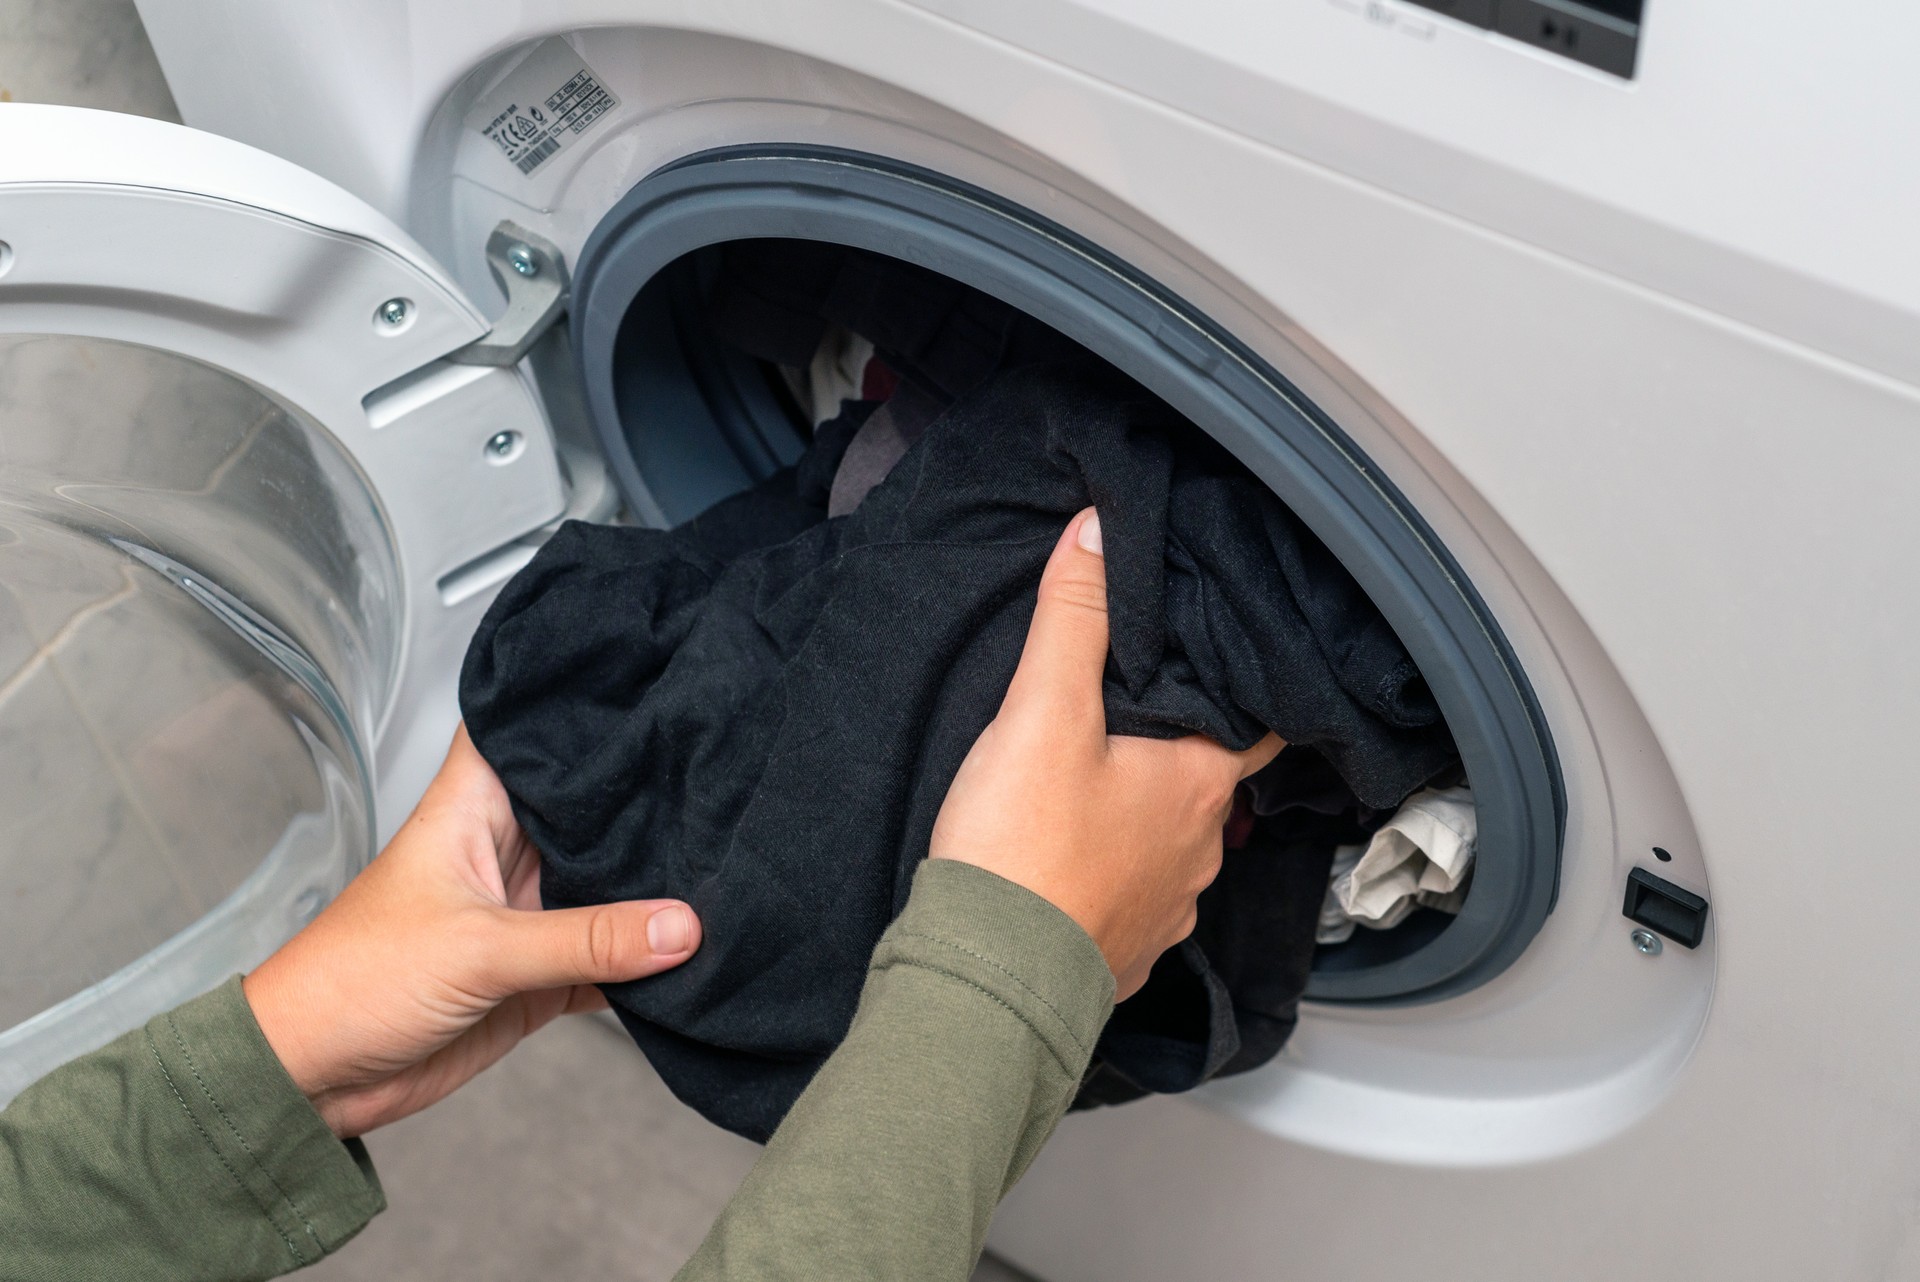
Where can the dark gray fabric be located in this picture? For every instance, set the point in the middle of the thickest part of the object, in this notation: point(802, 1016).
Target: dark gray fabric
point(1228, 997)
point(761, 711)
point(870, 455)
point(775, 299)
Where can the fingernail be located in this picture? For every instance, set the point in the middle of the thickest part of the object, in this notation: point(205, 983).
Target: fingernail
point(669, 931)
point(1090, 535)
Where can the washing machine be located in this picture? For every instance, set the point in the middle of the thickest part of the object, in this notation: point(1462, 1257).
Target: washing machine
point(1586, 333)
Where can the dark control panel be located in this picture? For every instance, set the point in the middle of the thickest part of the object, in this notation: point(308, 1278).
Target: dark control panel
point(1600, 33)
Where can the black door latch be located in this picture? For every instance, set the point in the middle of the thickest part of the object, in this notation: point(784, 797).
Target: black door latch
point(1658, 904)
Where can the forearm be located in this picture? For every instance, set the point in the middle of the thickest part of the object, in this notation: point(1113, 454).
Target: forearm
point(976, 1022)
point(181, 1150)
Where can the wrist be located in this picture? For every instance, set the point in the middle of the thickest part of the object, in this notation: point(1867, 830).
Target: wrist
point(265, 991)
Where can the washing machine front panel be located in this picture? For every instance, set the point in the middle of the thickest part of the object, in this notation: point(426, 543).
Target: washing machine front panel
point(1675, 469)
point(1743, 168)
point(1723, 171)
point(1570, 1045)
point(242, 502)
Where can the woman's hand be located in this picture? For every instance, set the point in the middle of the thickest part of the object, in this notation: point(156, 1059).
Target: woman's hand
point(437, 959)
point(1121, 834)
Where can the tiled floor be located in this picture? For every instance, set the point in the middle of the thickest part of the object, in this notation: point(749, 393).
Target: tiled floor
point(569, 1159)
point(83, 53)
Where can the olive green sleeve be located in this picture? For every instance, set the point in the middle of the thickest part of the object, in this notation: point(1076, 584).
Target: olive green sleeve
point(977, 1020)
point(181, 1150)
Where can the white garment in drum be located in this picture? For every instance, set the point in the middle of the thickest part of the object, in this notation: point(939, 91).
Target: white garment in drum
point(1418, 859)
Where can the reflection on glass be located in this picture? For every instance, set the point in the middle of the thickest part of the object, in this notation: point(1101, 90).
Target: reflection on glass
point(197, 624)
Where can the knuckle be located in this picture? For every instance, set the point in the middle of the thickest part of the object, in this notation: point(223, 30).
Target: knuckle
point(604, 942)
point(1075, 592)
point(1212, 798)
point(1205, 876)
point(1218, 793)
point(1188, 922)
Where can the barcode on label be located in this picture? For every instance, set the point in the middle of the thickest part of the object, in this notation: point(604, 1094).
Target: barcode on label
point(542, 107)
point(534, 155)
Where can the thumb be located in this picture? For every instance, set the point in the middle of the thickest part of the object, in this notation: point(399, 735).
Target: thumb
point(1259, 756)
point(604, 944)
point(1066, 649)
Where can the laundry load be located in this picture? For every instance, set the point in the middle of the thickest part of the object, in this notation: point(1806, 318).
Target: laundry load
point(761, 710)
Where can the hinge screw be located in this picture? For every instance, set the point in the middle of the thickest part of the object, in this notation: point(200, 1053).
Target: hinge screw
point(393, 312)
point(521, 258)
point(502, 444)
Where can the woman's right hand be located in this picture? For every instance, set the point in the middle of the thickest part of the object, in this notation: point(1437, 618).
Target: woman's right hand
point(1121, 834)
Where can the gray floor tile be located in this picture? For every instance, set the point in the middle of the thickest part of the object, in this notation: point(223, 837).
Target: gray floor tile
point(146, 767)
point(199, 741)
point(81, 53)
point(567, 1160)
point(84, 885)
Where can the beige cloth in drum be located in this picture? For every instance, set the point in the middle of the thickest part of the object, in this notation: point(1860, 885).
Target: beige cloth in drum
point(835, 374)
point(1418, 859)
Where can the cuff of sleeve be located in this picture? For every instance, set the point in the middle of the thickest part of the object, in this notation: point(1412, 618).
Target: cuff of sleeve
point(316, 1191)
point(984, 930)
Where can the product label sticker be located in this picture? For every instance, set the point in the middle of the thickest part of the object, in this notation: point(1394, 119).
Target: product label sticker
point(543, 106)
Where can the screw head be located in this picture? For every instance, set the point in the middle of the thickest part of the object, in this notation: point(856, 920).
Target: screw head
point(394, 312)
point(521, 259)
point(502, 445)
point(1646, 943)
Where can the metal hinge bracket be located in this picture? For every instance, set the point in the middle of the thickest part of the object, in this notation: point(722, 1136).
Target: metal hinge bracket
point(529, 268)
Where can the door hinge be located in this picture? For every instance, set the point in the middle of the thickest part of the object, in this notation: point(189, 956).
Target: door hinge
point(533, 274)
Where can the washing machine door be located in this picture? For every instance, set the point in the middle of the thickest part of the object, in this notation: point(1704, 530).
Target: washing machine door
point(254, 492)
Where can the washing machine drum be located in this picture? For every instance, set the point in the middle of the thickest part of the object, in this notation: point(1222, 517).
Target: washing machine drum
point(805, 369)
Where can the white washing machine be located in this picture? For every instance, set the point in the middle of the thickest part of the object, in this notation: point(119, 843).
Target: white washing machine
point(1586, 333)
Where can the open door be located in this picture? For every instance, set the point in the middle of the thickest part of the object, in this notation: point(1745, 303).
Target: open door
point(261, 464)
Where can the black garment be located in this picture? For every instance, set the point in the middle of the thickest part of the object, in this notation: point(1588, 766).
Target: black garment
point(1301, 779)
point(774, 299)
point(761, 711)
point(1228, 997)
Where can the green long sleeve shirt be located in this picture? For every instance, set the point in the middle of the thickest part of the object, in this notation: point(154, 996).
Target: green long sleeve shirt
point(183, 1150)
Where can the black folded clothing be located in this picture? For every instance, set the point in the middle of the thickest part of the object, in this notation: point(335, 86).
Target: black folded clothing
point(761, 711)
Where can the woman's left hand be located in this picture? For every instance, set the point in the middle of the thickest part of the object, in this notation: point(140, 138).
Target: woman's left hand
point(438, 959)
